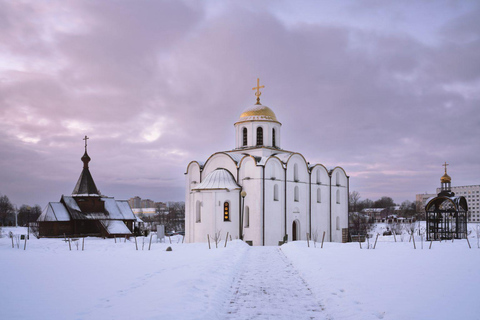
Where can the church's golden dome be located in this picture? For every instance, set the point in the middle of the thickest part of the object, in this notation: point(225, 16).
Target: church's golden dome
point(445, 178)
point(258, 112)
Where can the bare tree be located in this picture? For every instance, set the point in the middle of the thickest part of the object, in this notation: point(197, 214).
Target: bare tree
point(7, 211)
point(27, 214)
point(217, 237)
point(315, 238)
point(359, 224)
point(353, 198)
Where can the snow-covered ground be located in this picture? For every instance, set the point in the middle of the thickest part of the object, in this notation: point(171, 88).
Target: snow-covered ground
point(341, 281)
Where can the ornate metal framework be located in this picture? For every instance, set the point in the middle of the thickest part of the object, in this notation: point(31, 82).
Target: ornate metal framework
point(446, 217)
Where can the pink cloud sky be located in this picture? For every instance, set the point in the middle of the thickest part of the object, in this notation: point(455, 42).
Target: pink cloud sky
point(387, 90)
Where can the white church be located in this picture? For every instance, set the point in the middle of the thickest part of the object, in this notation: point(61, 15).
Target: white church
point(261, 193)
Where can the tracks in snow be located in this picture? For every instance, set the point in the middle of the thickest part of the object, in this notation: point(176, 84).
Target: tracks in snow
point(269, 287)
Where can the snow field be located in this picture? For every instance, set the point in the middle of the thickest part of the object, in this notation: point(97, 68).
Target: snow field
point(394, 281)
point(114, 281)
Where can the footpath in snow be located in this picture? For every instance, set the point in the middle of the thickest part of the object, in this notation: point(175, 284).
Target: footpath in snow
point(269, 287)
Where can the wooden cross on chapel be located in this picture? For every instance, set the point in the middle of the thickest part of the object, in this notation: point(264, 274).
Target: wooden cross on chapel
point(86, 138)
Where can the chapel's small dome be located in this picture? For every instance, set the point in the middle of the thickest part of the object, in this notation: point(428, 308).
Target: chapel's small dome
point(258, 112)
point(445, 178)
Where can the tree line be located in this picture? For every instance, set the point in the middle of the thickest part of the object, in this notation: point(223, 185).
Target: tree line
point(173, 218)
point(406, 208)
point(25, 213)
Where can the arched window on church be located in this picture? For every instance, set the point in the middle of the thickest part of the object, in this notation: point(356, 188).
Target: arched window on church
point(296, 194)
point(245, 137)
point(337, 223)
point(295, 172)
point(226, 211)
point(259, 136)
point(275, 192)
point(274, 144)
point(319, 195)
point(246, 222)
point(337, 177)
point(198, 212)
point(318, 176)
point(338, 196)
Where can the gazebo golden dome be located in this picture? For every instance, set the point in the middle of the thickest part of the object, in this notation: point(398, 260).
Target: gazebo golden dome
point(445, 178)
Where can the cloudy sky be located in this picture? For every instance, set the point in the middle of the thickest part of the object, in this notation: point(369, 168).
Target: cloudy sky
point(389, 90)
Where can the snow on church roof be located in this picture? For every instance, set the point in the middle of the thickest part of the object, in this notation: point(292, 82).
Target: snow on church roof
point(217, 180)
point(55, 211)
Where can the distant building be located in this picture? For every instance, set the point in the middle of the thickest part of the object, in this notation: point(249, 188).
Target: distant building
point(145, 211)
point(147, 203)
point(161, 206)
point(135, 202)
point(86, 212)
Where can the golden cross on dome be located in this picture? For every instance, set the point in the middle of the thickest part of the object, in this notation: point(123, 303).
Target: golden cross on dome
point(445, 165)
point(258, 93)
point(86, 138)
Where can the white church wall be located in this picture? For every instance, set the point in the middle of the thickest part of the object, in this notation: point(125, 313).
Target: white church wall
point(320, 207)
point(297, 207)
point(212, 214)
point(192, 178)
point(219, 160)
point(339, 198)
point(250, 179)
point(274, 201)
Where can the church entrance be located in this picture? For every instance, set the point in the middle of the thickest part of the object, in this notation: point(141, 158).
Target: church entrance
point(295, 230)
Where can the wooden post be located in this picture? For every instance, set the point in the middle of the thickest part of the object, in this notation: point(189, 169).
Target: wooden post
point(83, 243)
point(69, 244)
point(136, 246)
point(413, 238)
point(359, 242)
point(323, 237)
point(143, 242)
point(430, 247)
point(468, 243)
point(170, 239)
point(150, 244)
point(226, 238)
point(208, 238)
point(230, 237)
point(308, 243)
point(25, 245)
point(125, 239)
point(394, 236)
point(65, 237)
point(13, 246)
point(115, 237)
point(376, 241)
point(183, 239)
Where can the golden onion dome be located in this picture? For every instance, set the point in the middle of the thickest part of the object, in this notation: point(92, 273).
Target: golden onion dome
point(445, 178)
point(258, 112)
